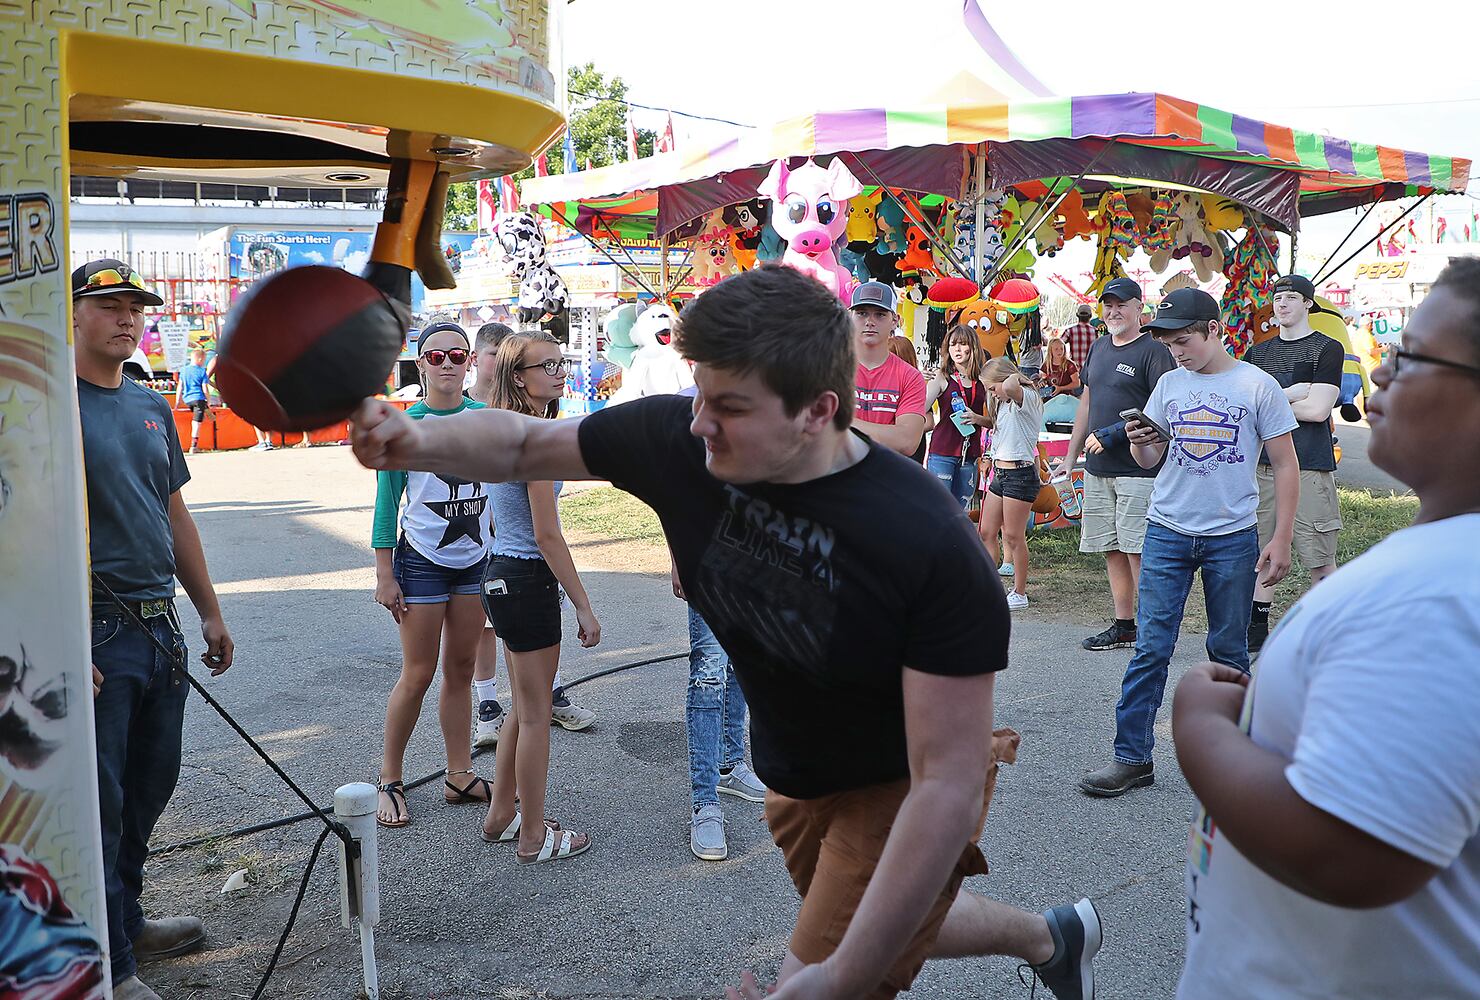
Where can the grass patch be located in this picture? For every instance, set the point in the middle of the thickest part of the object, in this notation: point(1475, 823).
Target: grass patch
point(607, 512)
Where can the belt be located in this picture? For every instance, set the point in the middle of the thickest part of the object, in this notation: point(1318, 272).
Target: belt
point(157, 608)
point(1012, 465)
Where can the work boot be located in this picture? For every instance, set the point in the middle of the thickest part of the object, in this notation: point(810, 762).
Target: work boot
point(133, 989)
point(167, 938)
point(1116, 779)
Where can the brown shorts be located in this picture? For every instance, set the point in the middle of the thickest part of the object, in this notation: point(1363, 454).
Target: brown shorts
point(832, 846)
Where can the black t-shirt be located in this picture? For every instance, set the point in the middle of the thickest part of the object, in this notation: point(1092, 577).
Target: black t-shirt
point(820, 592)
point(1121, 378)
point(131, 454)
point(1314, 358)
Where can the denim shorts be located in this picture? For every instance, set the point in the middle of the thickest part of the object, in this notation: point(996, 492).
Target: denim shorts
point(425, 582)
point(1016, 484)
point(522, 600)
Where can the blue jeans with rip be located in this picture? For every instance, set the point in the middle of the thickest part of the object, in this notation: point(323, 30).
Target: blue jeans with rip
point(138, 716)
point(1168, 561)
point(714, 710)
point(955, 475)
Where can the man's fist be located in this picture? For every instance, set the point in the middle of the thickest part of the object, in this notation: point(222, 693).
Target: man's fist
point(382, 436)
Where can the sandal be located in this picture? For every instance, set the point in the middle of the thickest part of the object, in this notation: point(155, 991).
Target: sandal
point(396, 792)
point(511, 832)
point(463, 795)
point(555, 849)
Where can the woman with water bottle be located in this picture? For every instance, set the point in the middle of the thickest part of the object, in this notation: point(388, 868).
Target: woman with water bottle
point(955, 443)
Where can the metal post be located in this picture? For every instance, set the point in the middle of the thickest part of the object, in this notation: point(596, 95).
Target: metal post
point(663, 266)
point(359, 875)
point(981, 211)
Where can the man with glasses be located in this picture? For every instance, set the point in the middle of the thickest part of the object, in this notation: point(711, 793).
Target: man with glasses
point(1118, 373)
point(1307, 365)
point(140, 537)
point(1337, 850)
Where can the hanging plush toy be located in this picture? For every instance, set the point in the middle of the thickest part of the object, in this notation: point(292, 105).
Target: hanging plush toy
point(542, 293)
point(1075, 222)
point(710, 252)
point(655, 368)
point(863, 229)
point(891, 222)
point(617, 326)
point(992, 325)
point(1160, 237)
point(746, 221)
point(883, 266)
point(917, 259)
point(1222, 215)
point(809, 208)
point(1194, 240)
point(1246, 300)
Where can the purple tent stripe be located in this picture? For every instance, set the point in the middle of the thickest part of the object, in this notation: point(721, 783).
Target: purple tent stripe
point(1418, 168)
point(1113, 114)
point(1339, 156)
point(866, 128)
point(996, 49)
point(1248, 136)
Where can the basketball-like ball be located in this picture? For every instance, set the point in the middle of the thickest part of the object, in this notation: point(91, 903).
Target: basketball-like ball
point(303, 347)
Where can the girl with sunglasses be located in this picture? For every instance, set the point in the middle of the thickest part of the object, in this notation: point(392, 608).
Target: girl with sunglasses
point(431, 539)
point(529, 564)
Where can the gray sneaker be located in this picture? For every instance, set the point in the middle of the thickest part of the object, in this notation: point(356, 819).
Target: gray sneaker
point(133, 989)
point(168, 937)
point(567, 714)
point(490, 723)
point(743, 784)
point(707, 834)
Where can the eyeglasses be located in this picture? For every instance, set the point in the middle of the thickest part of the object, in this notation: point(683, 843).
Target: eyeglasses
point(552, 368)
point(457, 356)
point(109, 277)
point(1398, 356)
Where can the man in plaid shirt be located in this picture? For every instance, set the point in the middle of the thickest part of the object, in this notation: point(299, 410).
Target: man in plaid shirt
point(1080, 335)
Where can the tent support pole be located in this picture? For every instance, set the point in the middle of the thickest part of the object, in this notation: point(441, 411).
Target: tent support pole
point(1353, 255)
point(663, 275)
point(918, 215)
point(1350, 233)
point(636, 277)
point(979, 166)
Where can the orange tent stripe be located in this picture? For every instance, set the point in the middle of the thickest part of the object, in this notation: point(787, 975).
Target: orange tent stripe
point(1393, 163)
point(977, 123)
point(1176, 116)
point(1281, 142)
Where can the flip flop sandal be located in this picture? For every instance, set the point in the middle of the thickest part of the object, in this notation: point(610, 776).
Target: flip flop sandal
point(511, 832)
point(396, 792)
point(555, 848)
point(462, 796)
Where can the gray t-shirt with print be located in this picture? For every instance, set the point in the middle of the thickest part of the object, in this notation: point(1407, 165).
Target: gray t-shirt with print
point(1218, 424)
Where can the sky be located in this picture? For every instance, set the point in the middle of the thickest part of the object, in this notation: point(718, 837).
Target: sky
point(1368, 77)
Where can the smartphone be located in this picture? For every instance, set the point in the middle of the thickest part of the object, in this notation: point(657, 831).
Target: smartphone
point(496, 588)
point(1137, 415)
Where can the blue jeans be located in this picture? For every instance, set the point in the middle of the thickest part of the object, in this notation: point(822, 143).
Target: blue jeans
point(955, 475)
point(1167, 564)
point(714, 711)
point(138, 717)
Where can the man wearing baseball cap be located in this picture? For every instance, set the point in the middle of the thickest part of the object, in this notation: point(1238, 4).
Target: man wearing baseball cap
point(890, 392)
point(141, 537)
point(1308, 365)
point(1209, 418)
point(1118, 373)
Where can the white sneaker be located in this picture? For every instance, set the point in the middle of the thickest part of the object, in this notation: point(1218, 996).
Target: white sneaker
point(742, 783)
point(1005, 569)
point(569, 715)
point(1016, 601)
point(491, 717)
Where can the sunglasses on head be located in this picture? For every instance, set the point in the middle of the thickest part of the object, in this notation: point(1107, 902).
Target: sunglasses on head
point(457, 356)
point(110, 277)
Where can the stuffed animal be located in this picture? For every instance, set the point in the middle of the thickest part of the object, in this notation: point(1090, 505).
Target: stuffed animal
point(1222, 215)
point(772, 245)
point(617, 326)
point(1194, 239)
point(747, 226)
point(656, 368)
point(1075, 222)
point(883, 266)
point(855, 262)
point(542, 293)
point(991, 323)
point(862, 227)
point(1047, 238)
point(1160, 236)
point(917, 258)
point(809, 209)
point(710, 252)
point(891, 223)
point(1115, 213)
point(1250, 272)
point(1140, 204)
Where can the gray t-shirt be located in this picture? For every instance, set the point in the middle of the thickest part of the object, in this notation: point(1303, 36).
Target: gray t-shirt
point(131, 454)
point(1218, 424)
point(515, 537)
point(1121, 378)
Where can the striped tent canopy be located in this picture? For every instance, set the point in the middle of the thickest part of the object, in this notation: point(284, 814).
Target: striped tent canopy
point(928, 149)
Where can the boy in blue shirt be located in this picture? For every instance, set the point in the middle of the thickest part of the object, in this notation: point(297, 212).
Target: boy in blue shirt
point(191, 391)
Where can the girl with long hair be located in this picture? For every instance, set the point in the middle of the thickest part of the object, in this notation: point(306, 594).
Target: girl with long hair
point(958, 390)
point(529, 565)
point(1016, 412)
point(429, 557)
point(1060, 373)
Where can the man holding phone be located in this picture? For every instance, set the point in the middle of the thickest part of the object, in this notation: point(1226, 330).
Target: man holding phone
point(1208, 419)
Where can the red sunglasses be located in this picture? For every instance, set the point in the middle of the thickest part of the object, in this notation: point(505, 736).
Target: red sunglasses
point(457, 356)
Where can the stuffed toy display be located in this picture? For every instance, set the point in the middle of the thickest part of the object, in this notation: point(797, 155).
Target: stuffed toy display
point(1194, 240)
point(917, 259)
point(542, 293)
point(809, 209)
point(1160, 236)
point(1222, 215)
point(710, 252)
point(883, 266)
point(863, 229)
point(992, 326)
point(1250, 272)
point(891, 223)
point(1074, 221)
point(747, 222)
point(653, 367)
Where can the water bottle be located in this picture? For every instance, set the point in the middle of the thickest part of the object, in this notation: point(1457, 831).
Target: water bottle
point(1068, 499)
point(959, 416)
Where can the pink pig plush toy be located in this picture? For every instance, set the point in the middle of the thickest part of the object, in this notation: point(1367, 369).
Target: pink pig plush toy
point(810, 211)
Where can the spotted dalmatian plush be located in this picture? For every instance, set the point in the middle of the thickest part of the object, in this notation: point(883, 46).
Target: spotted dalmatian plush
point(542, 293)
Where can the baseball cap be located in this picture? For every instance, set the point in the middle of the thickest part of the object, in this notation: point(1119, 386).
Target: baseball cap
point(107, 276)
point(875, 293)
point(1182, 308)
point(1085, 310)
point(1295, 283)
point(1123, 289)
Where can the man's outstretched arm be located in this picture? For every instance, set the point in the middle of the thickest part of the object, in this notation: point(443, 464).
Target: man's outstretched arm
point(491, 446)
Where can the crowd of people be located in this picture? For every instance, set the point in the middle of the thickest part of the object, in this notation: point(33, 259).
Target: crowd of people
point(1335, 851)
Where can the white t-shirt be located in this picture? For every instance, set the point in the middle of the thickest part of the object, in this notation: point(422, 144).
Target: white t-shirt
point(1015, 436)
point(1371, 687)
point(1207, 485)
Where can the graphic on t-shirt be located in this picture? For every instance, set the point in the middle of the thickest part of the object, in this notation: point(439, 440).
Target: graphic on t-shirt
point(770, 574)
point(877, 400)
point(1205, 434)
point(463, 515)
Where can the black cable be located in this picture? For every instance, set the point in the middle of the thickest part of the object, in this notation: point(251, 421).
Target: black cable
point(274, 824)
point(292, 914)
point(649, 107)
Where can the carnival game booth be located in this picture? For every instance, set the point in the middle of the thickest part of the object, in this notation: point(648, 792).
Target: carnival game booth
point(300, 93)
point(983, 193)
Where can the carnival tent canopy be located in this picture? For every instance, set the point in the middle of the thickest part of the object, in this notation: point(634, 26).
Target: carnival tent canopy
point(1157, 140)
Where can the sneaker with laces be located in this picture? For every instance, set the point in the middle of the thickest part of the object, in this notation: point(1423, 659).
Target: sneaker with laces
point(490, 723)
point(568, 715)
point(707, 833)
point(1016, 601)
point(1114, 637)
point(742, 783)
point(1077, 936)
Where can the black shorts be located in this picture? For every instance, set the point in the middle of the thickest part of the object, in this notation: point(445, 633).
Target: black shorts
point(522, 600)
point(1016, 484)
point(198, 409)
